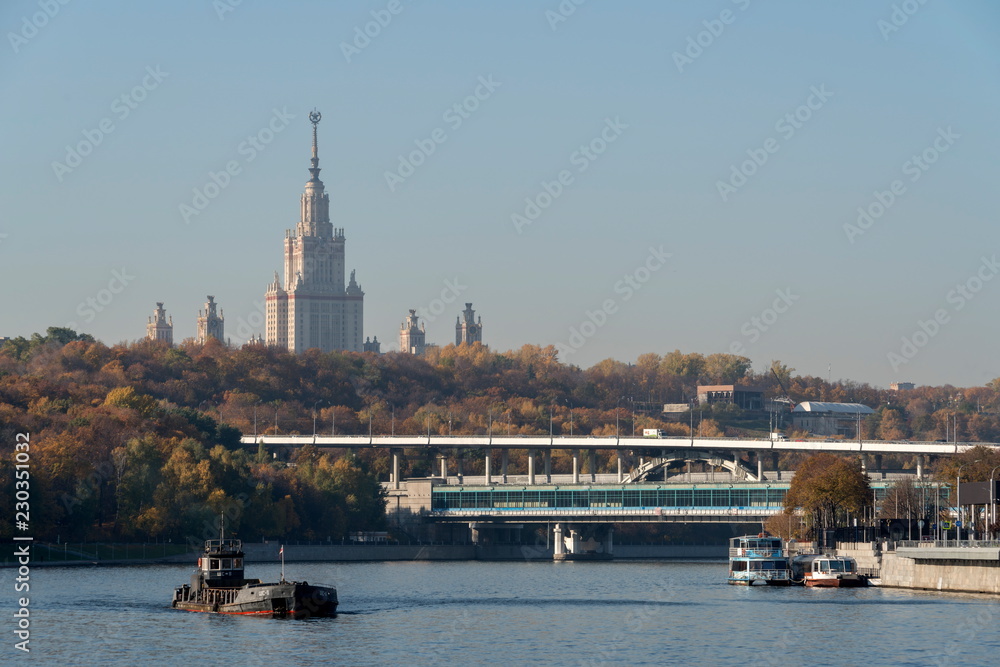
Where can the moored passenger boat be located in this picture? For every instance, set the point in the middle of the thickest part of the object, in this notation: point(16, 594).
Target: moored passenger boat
point(758, 559)
point(218, 586)
point(820, 571)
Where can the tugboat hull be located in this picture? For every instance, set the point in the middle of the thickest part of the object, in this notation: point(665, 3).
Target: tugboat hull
point(290, 600)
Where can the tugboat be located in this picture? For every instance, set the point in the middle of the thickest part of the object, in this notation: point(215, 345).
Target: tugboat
point(758, 558)
point(218, 586)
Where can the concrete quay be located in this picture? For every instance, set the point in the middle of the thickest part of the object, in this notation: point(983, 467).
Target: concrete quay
point(953, 566)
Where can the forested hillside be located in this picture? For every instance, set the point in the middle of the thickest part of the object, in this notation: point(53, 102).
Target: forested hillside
point(141, 441)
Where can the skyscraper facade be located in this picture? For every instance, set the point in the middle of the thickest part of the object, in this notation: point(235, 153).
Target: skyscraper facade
point(311, 306)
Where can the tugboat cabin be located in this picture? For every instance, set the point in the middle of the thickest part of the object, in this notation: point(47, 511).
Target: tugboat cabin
point(222, 564)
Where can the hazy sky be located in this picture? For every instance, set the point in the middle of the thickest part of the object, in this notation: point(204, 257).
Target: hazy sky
point(698, 170)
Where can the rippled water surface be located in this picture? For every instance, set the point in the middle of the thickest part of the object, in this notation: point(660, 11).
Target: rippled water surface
point(461, 613)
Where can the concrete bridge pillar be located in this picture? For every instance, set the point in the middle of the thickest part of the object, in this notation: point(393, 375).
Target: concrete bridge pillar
point(760, 469)
point(548, 466)
point(878, 462)
point(920, 466)
point(609, 541)
point(576, 466)
point(503, 465)
point(444, 466)
point(458, 463)
point(486, 470)
point(864, 463)
point(557, 540)
point(395, 469)
point(618, 457)
point(774, 464)
point(531, 466)
point(593, 465)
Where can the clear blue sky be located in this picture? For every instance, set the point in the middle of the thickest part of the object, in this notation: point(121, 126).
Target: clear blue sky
point(886, 95)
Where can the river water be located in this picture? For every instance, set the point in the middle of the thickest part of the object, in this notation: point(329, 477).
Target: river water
point(478, 613)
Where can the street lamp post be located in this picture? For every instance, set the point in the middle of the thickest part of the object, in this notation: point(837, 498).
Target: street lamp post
point(314, 416)
point(993, 502)
point(958, 497)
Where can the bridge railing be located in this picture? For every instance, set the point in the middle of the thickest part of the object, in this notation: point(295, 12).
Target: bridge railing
point(947, 544)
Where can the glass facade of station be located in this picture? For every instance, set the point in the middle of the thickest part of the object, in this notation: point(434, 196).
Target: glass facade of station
point(734, 496)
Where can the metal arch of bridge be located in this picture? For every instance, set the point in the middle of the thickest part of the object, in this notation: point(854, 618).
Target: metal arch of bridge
point(738, 470)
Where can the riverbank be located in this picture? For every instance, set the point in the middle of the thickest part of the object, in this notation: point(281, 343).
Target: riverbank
point(104, 554)
point(952, 566)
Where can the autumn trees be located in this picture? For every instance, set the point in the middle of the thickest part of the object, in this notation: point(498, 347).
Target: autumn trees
point(828, 488)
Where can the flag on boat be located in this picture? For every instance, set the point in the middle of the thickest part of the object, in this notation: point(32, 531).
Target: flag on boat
point(281, 551)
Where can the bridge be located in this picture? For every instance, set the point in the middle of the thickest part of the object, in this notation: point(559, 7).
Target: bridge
point(655, 454)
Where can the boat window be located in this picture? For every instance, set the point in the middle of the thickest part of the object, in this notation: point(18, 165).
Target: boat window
point(237, 563)
point(739, 566)
point(214, 564)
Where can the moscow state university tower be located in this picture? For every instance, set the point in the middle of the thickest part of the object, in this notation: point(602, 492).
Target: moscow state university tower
point(314, 308)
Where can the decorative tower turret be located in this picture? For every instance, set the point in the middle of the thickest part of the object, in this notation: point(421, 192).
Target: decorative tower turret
point(411, 337)
point(468, 330)
point(210, 323)
point(158, 327)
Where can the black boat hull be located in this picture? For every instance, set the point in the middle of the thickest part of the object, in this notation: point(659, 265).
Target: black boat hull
point(284, 600)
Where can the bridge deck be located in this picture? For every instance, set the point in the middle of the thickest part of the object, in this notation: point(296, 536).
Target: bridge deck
point(611, 442)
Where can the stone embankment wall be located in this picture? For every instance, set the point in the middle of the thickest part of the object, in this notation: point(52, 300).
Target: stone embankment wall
point(933, 568)
point(268, 553)
point(965, 576)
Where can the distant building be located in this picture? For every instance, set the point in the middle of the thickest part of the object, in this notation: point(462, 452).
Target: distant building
point(373, 345)
point(312, 306)
point(824, 418)
point(747, 398)
point(158, 327)
point(468, 330)
point(412, 339)
point(211, 323)
point(902, 386)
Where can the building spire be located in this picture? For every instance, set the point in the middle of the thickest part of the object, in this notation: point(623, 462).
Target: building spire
point(314, 117)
